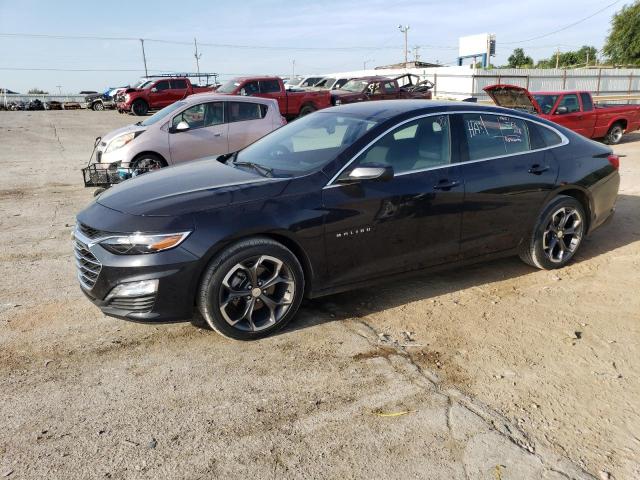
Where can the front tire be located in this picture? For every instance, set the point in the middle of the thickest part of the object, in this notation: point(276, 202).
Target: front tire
point(557, 235)
point(146, 163)
point(251, 289)
point(140, 108)
point(614, 135)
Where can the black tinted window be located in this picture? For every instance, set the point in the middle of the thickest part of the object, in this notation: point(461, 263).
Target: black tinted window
point(587, 103)
point(163, 85)
point(494, 135)
point(243, 111)
point(570, 102)
point(542, 137)
point(415, 145)
point(179, 84)
point(249, 88)
point(269, 86)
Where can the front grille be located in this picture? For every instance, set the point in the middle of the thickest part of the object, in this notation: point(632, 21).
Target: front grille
point(91, 232)
point(137, 304)
point(88, 265)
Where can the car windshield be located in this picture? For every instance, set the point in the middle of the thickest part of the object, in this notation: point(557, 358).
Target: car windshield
point(326, 82)
point(229, 87)
point(307, 144)
point(143, 84)
point(546, 102)
point(160, 114)
point(357, 86)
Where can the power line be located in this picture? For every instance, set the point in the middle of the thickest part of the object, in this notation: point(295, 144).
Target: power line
point(565, 27)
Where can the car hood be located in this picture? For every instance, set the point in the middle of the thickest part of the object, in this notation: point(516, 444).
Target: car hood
point(347, 96)
point(512, 96)
point(194, 186)
point(122, 130)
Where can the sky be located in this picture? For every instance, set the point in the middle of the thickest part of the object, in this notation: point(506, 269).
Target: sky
point(320, 36)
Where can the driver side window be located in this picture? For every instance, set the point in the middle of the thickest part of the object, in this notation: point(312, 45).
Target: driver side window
point(162, 85)
point(571, 104)
point(417, 145)
point(250, 88)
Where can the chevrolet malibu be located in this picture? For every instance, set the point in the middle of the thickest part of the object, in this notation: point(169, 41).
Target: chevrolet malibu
point(337, 200)
point(198, 126)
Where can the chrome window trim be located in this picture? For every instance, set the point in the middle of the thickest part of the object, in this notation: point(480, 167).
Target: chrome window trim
point(563, 138)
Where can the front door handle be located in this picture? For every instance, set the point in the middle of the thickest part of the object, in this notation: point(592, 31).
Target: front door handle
point(538, 169)
point(446, 184)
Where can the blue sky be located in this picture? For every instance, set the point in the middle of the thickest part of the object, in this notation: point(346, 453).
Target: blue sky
point(435, 25)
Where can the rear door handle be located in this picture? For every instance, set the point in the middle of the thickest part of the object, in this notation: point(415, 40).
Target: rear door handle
point(538, 169)
point(446, 184)
point(217, 134)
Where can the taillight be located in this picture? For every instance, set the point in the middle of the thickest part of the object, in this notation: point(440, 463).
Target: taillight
point(614, 160)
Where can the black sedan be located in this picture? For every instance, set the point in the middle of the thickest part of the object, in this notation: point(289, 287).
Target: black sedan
point(336, 200)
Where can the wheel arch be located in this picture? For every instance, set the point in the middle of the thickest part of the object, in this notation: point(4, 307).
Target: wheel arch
point(621, 120)
point(582, 195)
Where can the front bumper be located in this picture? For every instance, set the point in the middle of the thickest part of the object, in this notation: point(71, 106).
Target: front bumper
point(123, 107)
point(99, 272)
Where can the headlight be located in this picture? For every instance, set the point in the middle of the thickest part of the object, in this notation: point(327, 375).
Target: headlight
point(127, 97)
point(139, 243)
point(121, 141)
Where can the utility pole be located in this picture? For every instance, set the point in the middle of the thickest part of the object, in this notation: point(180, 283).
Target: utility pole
point(405, 29)
point(416, 53)
point(144, 58)
point(364, 64)
point(587, 59)
point(59, 89)
point(293, 69)
point(557, 57)
point(198, 57)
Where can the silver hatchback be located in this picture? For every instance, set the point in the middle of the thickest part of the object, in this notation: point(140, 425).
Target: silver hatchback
point(199, 126)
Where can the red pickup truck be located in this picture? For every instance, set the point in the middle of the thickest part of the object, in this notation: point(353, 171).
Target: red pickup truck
point(292, 103)
point(572, 109)
point(155, 94)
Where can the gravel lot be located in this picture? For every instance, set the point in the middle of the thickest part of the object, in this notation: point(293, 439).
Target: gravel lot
point(493, 371)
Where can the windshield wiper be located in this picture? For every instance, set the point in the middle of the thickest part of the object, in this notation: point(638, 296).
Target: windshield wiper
point(266, 171)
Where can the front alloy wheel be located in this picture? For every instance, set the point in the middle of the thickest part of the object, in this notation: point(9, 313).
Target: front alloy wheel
point(251, 289)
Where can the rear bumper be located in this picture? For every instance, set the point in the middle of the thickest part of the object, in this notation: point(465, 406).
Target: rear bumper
point(604, 195)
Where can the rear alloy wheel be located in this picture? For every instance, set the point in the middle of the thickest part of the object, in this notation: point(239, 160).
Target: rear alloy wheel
point(140, 108)
point(614, 135)
point(251, 289)
point(557, 236)
point(98, 106)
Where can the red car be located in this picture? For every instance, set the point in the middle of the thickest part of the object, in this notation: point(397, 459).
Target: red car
point(155, 94)
point(292, 103)
point(365, 89)
point(572, 109)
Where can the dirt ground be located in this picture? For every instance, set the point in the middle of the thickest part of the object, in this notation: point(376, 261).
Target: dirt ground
point(493, 371)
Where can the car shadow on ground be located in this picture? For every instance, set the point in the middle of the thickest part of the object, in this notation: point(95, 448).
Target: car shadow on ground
point(621, 230)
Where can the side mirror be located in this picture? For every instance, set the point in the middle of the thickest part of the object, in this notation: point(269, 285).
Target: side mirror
point(373, 172)
point(181, 127)
point(154, 90)
point(561, 110)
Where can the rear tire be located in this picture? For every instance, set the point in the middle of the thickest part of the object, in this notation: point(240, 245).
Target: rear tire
point(306, 110)
point(98, 107)
point(614, 135)
point(234, 306)
point(140, 108)
point(557, 236)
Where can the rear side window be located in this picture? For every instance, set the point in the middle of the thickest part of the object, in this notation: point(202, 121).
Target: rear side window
point(389, 87)
point(587, 103)
point(162, 85)
point(542, 137)
point(269, 86)
point(495, 135)
point(243, 111)
point(179, 84)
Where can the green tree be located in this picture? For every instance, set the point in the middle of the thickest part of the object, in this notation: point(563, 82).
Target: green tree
point(622, 46)
point(37, 91)
point(519, 59)
point(586, 55)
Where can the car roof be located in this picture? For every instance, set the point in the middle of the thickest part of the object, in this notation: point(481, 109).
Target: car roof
point(372, 78)
point(381, 110)
point(212, 96)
